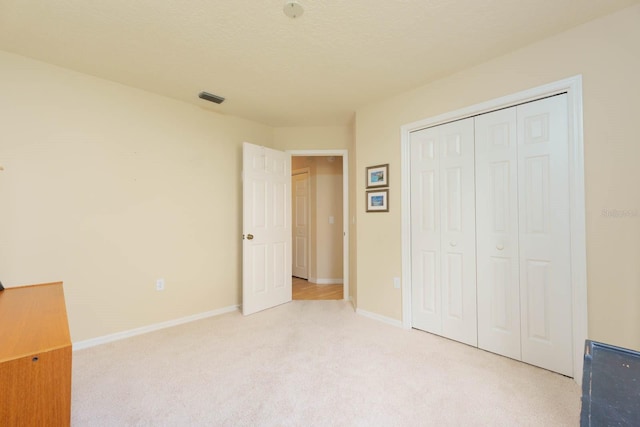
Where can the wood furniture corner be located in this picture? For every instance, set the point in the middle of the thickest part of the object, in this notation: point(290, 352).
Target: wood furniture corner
point(35, 356)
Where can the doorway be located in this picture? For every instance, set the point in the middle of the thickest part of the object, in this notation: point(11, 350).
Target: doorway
point(302, 289)
point(321, 252)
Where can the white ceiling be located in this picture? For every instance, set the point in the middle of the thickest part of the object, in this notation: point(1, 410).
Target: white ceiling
point(313, 70)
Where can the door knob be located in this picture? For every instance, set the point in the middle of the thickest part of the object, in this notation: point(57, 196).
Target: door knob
point(453, 243)
point(250, 236)
point(499, 247)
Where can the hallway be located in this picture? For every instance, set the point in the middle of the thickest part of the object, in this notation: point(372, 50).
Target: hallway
point(303, 290)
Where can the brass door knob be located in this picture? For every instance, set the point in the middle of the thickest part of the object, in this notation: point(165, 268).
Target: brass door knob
point(250, 236)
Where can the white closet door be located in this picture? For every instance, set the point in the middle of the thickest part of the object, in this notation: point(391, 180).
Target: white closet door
point(425, 231)
point(543, 192)
point(497, 233)
point(457, 236)
point(443, 231)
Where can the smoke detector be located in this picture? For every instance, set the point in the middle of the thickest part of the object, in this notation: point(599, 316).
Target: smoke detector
point(293, 9)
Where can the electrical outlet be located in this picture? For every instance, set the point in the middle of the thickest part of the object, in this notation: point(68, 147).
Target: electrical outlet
point(160, 285)
point(396, 282)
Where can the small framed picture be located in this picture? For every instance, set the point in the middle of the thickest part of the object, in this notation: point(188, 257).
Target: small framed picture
point(378, 200)
point(378, 176)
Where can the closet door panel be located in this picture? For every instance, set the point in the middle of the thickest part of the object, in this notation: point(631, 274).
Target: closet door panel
point(497, 232)
point(458, 262)
point(545, 276)
point(425, 231)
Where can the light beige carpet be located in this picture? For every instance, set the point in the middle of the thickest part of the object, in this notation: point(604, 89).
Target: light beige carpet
point(310, 363)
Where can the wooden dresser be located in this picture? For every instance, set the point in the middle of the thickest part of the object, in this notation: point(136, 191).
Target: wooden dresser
point(35, 357)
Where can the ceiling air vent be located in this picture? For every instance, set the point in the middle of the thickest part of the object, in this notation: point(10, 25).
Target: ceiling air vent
point(211, 97)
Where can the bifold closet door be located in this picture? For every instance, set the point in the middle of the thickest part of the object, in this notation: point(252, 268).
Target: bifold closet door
point(497, 233)
point(544, 234)
point(523, 241)
point(443, 231)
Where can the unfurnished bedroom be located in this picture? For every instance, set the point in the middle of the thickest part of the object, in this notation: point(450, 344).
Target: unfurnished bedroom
point(319, 213)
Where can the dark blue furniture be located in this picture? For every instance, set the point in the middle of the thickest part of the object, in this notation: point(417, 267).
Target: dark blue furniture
point(610, 386)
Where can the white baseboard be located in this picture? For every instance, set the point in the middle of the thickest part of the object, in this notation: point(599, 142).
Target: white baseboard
point(80, 345)
point(319, 281)
point(384, 319)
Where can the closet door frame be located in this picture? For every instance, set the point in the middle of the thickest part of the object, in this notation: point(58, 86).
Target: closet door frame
point(573, 88)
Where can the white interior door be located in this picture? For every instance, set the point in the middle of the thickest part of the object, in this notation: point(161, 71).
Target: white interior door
point(300, 217)
point(443, 231)
point(517, 235)
point(425, 231)
point(497, 233)
point(543, 217)
point(523, 242)
point(458, 239)
point(266, 249)
point(544, 234)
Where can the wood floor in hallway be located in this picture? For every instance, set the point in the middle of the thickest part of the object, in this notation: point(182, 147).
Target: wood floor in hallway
point(303, 290)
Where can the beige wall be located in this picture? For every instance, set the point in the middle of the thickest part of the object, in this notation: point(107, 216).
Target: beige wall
point(107, 188)
point(605, 52)
point(329, 246)
point(313, 138)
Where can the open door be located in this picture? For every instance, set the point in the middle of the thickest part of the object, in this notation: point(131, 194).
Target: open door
point(266, 244)
point(300, 222)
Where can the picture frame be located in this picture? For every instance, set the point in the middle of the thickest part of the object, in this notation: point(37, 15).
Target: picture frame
point(378, 176)
point(378, 200)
